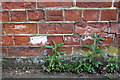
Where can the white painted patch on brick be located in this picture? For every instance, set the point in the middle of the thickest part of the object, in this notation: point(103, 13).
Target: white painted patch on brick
point(20, 26)
point(87, 37)
point(38, 40)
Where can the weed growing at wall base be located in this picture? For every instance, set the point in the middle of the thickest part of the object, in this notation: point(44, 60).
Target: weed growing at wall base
point(88, 64)
point(51, 61)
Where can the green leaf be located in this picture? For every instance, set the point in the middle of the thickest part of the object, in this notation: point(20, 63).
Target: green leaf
point(48, 46)
point(58, 53)
point(88, 46)
point(101, 38)
point(55, 44)
point(60, 44)
point(93, 47)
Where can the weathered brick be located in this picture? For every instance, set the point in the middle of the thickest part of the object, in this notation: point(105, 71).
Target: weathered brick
point(87, 39)
point(4, 51)
point(54, 15)
point(72, 40)
point(109, 39)
point(108, 15)
point(5, 16)
point(18, 5)
point(91, 27)
point(93, 4)
point(59, 28)
point(18, 16)
point(21, 40)
point(24, 28)
point(114, 27)
point(7, 41)
point(91, 15)
point(80, 51)
point(36, 15)
point(54, 4)
point(21, 51)
point(67, 50)
point(43, 51)
point(73, 15)
point(58, 39)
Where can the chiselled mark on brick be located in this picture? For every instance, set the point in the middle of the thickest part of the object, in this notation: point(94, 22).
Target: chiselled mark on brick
point(24, 28)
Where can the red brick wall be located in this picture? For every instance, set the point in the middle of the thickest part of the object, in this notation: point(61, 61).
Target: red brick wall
point(28, 26)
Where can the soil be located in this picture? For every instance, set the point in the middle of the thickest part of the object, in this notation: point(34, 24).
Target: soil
point(37, 73)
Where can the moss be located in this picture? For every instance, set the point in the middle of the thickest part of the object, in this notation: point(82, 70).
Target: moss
point(111, 50)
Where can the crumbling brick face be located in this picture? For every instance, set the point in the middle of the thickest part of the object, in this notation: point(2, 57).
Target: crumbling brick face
point(28, 24)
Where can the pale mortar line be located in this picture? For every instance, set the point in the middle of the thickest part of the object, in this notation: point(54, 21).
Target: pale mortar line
point(54, 22)
point(45, 15)
point(74, 2)
point(13, 40)
point(26, 46)
point(9, 15)
point(100, 15)
point(82, 14)
point(36, 4)
point(27, 15)
point(56, 9)
point(63, 15)
point(113, 1)
point(118, 13)
point(33, 34)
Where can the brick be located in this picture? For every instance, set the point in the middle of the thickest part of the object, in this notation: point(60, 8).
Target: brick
point(58, 39)
point(38, 40)
point(108, 15)
point(117, 3)
point(54, 4)
point(109, 39)
point(119, 15)
point(21, 51)
point(91, 15)
point(73, 15)
point(114, 27)
point(5, 16)
point(67, 50)
point(58, 28)
point(72, 40)
point(91, 27)
point(93, 4)
point(23, 28)
point(18, 16)
point(54, 15)
point(118, 39)
point(18, 5)
point(21, 40)
point(43, 51)
point(4, 51)
point(0, 16)
point(7, 41)
point(36, 15)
